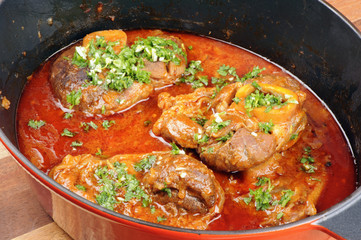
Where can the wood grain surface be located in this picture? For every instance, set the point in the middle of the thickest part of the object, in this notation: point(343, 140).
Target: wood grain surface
point(21, 216)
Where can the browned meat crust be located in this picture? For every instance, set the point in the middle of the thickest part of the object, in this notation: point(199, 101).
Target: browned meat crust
point(193, 198)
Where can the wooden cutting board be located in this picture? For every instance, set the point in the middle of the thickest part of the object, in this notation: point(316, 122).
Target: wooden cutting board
point(21, 216)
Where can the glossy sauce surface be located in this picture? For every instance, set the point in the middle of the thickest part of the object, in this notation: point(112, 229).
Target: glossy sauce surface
point(131, 133)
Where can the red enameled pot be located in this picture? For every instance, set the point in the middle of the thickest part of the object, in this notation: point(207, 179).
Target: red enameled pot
point(278, 30)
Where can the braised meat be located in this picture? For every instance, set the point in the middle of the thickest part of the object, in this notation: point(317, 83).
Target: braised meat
point(291, 196)
point(67, 78)
point(104, 76)
point(165, 73)
point(175, 123)
point(242, 151)
point(235, 137)
point(192, 185)
point(178, 189)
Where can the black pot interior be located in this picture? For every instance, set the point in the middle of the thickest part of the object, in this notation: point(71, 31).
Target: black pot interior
point(305, 37)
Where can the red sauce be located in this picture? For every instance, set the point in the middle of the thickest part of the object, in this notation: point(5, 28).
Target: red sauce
point(46, 148)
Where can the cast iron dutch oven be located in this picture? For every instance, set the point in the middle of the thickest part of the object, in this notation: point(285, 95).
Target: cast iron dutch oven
point(278, 30)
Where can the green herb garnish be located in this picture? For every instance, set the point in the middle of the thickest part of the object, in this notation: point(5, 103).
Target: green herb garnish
point(259, 99)
point(67, 133)
point(80, 187)
point(147, 123)
point(255, 72)
point(201, 138)
point(189, 75)
point(114, 178)
point(107, 124)
point(280, 215)
point(315, 179)
point(293, 136)
point(36, 124)
point(158, 49)
point(167, 190)
point(262, 181)
point(226, 137)
point(76, 144)
point(87, 125)
point(73, 98)
point(266, 127)
point(68, 115)
point(99, 152)
point(145, 164)
point(200, 120)
point(216, 126)
point(286, 197)
point(263, 198)
point(225, 70)
point(175, 149)
point(307, 161)
point(161, 219)
point(236, 100)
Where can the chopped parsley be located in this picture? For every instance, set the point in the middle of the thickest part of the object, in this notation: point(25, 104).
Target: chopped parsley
point(200, 120)
point(175, 149)
point(167, 190)
point(285, 198)
point(67, 133)
point(259, 99)
point(315, 179)
point(161, 219)
point(120, 71)
point(201, 139)
point(293, 136)
point(255, 72)
point(73, 98)
point(87, 125)
point(256, 85)
point(99, 152)
point(262, 181)
point(79, 57)
point(76, 144)
point(236, 100)
point(216, 126)
point(225, 70)
point(147, 123)
point(112, 179)
point(226, 137)
point(219, 83)
point(145, 164)
point(307, 161)
point(68, 115)
point(152, 209)
point(227, 75)
point(107, 124)
point(208, 150)
point(263, 198)
point(280, 215)
point(36, 124)
point(266, 127)
point(155, 48)
point(80, 187)
point(189, 75)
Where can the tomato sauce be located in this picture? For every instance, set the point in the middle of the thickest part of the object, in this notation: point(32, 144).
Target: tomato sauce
point(131, 133)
